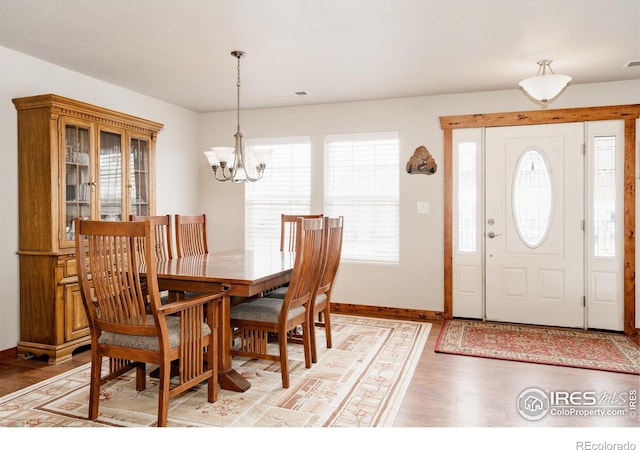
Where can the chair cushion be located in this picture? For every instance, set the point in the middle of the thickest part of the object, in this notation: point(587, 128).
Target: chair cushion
point(148, 342)
point(266, 309)
point(279, 293)
point(320, 298)
point(282, 292)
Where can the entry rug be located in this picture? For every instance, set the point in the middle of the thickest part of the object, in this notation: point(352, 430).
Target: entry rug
point(610, 352)
point(360, 382)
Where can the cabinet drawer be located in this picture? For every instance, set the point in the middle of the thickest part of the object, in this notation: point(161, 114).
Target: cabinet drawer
point(70, 268)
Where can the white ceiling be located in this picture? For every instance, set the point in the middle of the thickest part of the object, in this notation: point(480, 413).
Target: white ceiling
point(335, 50)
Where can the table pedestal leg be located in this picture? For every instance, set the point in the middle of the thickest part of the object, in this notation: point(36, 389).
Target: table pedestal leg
point(228, 377)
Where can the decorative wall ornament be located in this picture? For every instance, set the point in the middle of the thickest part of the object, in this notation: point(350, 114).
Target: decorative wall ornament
point(422, 162)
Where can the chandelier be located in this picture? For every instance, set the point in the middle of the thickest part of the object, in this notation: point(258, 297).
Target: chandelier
point(228, 163)
point(544, 87)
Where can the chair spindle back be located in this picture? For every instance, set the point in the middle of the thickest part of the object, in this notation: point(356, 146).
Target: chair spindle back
point(163, 232)
point(288, 224)
point(308, 262)
point(119, 296)
point(191, 235)
point(333, 229)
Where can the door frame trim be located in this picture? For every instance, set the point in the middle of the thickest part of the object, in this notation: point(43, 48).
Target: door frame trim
point(628, 113)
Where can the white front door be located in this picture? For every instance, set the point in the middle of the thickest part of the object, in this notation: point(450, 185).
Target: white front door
point(534, 213)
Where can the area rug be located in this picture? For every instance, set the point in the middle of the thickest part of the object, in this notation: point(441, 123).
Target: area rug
point(360, 382)
point(611, 352)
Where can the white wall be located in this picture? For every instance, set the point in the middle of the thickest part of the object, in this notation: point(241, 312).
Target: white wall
point(21, 76)
point(417, 281)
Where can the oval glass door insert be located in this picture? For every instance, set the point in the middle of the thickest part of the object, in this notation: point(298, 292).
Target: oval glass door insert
point(532, 198)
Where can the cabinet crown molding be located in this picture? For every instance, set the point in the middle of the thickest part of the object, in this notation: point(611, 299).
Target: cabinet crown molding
point(63, 106)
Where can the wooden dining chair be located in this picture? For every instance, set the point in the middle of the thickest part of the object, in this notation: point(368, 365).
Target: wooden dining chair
point(163, 233)
point(331, 254)
point(111, 283)
point(191, 235)
point(321, 309)
point(288, 224)
point(258, 318)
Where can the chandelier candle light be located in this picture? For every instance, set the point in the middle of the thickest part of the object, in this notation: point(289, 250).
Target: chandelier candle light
point(544, 87)
point(229, 162)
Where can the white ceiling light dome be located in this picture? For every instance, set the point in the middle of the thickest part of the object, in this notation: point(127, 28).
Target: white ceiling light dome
point(544, 87)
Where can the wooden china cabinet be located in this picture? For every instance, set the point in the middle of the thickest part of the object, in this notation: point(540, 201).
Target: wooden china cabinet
point(74, 160)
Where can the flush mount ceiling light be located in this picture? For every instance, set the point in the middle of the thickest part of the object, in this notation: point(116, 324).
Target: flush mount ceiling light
point(228, 163)
point(545, 86)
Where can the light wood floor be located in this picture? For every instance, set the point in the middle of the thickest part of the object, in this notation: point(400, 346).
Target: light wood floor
point(452, 390)
point(446, 390)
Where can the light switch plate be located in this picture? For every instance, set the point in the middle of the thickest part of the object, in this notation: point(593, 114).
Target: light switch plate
point(422, 208)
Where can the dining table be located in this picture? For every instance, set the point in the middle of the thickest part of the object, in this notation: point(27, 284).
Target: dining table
point(241, 274)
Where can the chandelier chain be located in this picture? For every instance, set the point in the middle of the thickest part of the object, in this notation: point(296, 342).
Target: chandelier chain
point(238, 92)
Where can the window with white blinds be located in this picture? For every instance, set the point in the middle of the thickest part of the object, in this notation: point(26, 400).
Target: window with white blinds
point(362, 184)
point(284, 189)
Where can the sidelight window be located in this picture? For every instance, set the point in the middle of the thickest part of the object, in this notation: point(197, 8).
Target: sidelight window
point(467, 196)
point(604, 196)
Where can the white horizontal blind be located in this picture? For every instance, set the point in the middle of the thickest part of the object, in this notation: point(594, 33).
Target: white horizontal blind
point(362, 184)
point(284, 189)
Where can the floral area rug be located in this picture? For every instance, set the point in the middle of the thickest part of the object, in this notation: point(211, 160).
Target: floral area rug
point(360, 382)
point(606, 351)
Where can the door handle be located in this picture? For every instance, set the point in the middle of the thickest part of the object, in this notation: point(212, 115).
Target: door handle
point(491, 234)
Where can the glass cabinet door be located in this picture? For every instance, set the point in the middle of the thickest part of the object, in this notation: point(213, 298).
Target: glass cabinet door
point(139, 177)
point(110, 176)
point(77, 178)
point(106, 176)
